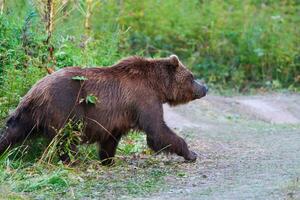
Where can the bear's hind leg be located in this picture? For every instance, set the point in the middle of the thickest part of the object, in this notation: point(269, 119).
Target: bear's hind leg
point(65, 147)
point(107, 149)
point(67, 155)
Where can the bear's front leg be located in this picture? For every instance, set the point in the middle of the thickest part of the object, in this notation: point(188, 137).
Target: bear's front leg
point(160, 137)
point(166, 140)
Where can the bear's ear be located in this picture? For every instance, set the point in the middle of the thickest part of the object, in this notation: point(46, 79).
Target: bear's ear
point(174, 60)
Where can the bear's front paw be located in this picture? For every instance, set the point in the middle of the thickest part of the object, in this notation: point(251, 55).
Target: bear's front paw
point(191, 157)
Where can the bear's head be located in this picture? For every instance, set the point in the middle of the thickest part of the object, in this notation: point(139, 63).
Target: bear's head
point(181, 86)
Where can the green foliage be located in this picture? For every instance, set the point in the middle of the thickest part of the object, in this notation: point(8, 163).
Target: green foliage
point(229, 43)
point(134, 143)
point(15, 85)
point(20, 49)
point(48, 179)
point(91, 99)
point(57, 181)
point(24, 54)
point(61, 144)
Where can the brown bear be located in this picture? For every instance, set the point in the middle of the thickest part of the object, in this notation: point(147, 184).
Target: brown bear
point(128, 95)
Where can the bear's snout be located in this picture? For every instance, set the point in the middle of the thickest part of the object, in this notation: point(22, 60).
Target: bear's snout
point(200, 90)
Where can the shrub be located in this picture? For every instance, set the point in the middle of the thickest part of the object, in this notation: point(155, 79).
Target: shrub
point(237, 43)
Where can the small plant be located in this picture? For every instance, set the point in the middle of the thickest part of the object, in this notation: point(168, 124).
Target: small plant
point(134, 143)
point(64, 143)
point(91, 99)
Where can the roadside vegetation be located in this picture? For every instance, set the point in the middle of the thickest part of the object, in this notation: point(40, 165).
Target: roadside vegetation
point(236, 45)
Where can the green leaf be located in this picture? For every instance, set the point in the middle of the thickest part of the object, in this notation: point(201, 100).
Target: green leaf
point(79, 78)
point(91, 99)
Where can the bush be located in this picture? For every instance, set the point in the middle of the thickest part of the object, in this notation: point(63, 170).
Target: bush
point(24, 54)
point(237, 43)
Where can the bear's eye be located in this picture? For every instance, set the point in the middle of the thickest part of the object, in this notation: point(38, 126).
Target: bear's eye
point(191, 78)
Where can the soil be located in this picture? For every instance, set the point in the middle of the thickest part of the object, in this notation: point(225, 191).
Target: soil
point(248, 148)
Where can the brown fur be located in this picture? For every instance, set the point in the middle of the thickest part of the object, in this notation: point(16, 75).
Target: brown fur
point(130, 96)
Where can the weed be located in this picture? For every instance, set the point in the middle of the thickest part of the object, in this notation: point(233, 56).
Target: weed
point(64, 143)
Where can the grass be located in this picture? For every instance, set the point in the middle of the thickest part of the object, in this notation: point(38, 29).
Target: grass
point(292, 189)
point(136, 173)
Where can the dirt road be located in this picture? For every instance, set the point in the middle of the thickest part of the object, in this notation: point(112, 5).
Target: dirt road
point(248, 146)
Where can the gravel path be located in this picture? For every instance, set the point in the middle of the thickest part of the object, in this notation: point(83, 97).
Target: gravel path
point(248, 146)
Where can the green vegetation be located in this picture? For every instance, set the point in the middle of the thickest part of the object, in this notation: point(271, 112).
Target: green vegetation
point(26, 173)
point(230, 44)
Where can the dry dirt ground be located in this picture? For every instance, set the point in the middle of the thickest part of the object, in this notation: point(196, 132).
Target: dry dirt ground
point(248, 147)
